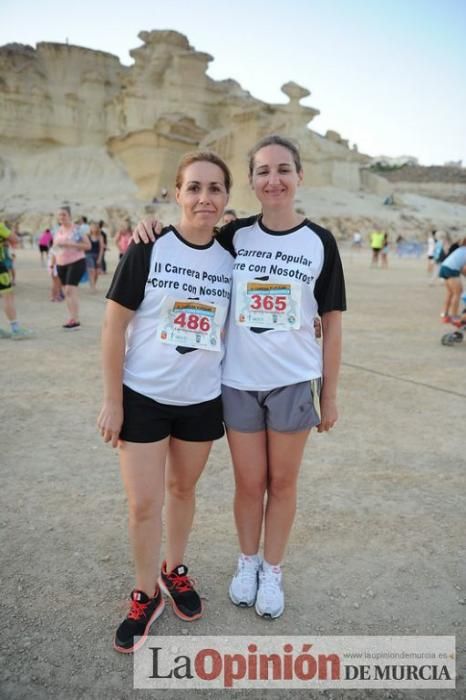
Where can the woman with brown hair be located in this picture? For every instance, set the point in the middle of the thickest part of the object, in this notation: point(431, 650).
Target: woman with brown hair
point(162, 351)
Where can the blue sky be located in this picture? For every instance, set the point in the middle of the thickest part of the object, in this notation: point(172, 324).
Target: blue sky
point(389, 76)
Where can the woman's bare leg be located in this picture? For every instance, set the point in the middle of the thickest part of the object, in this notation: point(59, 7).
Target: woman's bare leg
point(457, 289)
point(143, 473)
point(249, 455)
point(72, 301)
point(285, 453)
point(185, 464)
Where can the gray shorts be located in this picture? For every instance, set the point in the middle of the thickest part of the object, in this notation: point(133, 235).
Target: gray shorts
point(288, 409)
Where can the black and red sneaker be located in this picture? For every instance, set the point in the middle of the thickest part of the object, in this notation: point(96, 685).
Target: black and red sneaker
point(72, 325)
point(142, 613)
point(179, 587)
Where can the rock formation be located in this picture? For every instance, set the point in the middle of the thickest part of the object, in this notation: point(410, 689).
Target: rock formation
point(76, 124)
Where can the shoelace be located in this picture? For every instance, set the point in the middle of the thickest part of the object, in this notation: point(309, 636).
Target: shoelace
point(182, 583)
point(269, 585)
point(137, 610)
point(247, 572)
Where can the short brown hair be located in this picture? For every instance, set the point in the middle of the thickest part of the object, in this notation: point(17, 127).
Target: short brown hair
point(199, 157)
point(275, 140)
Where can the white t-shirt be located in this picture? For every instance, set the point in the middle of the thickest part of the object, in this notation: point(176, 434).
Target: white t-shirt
point(180, 292)
point(281, 282)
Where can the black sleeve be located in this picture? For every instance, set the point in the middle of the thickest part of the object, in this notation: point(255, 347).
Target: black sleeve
point(329, 289)
point(130, 278)
point(226, 233)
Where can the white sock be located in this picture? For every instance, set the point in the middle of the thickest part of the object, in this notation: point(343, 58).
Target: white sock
point(273, 568)
point(252, 557)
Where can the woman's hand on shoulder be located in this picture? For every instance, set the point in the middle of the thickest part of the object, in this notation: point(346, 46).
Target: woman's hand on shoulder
point(110, 420)
point(147, 230)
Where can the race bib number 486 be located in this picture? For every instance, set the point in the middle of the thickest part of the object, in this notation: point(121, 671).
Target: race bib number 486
point(268, 305)
point(192, 324)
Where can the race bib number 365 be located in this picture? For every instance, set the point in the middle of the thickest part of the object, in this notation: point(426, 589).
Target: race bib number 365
point(192, 324)
point(268, 305)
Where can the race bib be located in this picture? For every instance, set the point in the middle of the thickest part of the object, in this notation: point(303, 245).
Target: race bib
point(274, 305)
point(192, 324)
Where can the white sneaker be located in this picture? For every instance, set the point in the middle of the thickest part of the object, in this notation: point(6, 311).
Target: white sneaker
point(270, 601)
point(21, 333)
point(243, 586)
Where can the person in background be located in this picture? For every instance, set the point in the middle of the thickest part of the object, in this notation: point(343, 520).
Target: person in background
point(45, 243)
point(376, 238)
point(83, 224)
point(356, 241)
point(229, 215)
point(384, 252)
point(441, 248)
point(10, 256)
point(16, 332)
point(123, 238)
point(451, 269)
point(105, 239)
point(70, 245)
point(431, 240)
point(94, 255)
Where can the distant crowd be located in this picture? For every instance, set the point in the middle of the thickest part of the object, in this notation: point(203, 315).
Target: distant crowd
point(71, 251)
point(446, 261)
point(75, 252)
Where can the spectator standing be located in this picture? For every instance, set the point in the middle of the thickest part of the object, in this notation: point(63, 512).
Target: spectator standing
point(45, 243)
point(123, 238)
point(94, 255)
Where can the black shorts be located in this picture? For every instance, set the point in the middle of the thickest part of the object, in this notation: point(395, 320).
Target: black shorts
point(43, 248)
point(146, 420)
point(71, 274)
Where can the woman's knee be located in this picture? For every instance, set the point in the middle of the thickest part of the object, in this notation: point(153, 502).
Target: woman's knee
point(251, 488)
point(181, 490)
point(282, 487)
point(143, 509)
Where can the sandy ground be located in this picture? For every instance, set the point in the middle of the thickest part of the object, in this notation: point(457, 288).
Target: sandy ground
point(378, 543)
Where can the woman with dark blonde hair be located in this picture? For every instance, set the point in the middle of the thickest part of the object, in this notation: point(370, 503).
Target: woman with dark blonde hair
point(278, 381)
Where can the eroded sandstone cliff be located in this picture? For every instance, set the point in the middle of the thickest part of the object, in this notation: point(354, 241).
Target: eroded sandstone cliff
point(77, 125)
